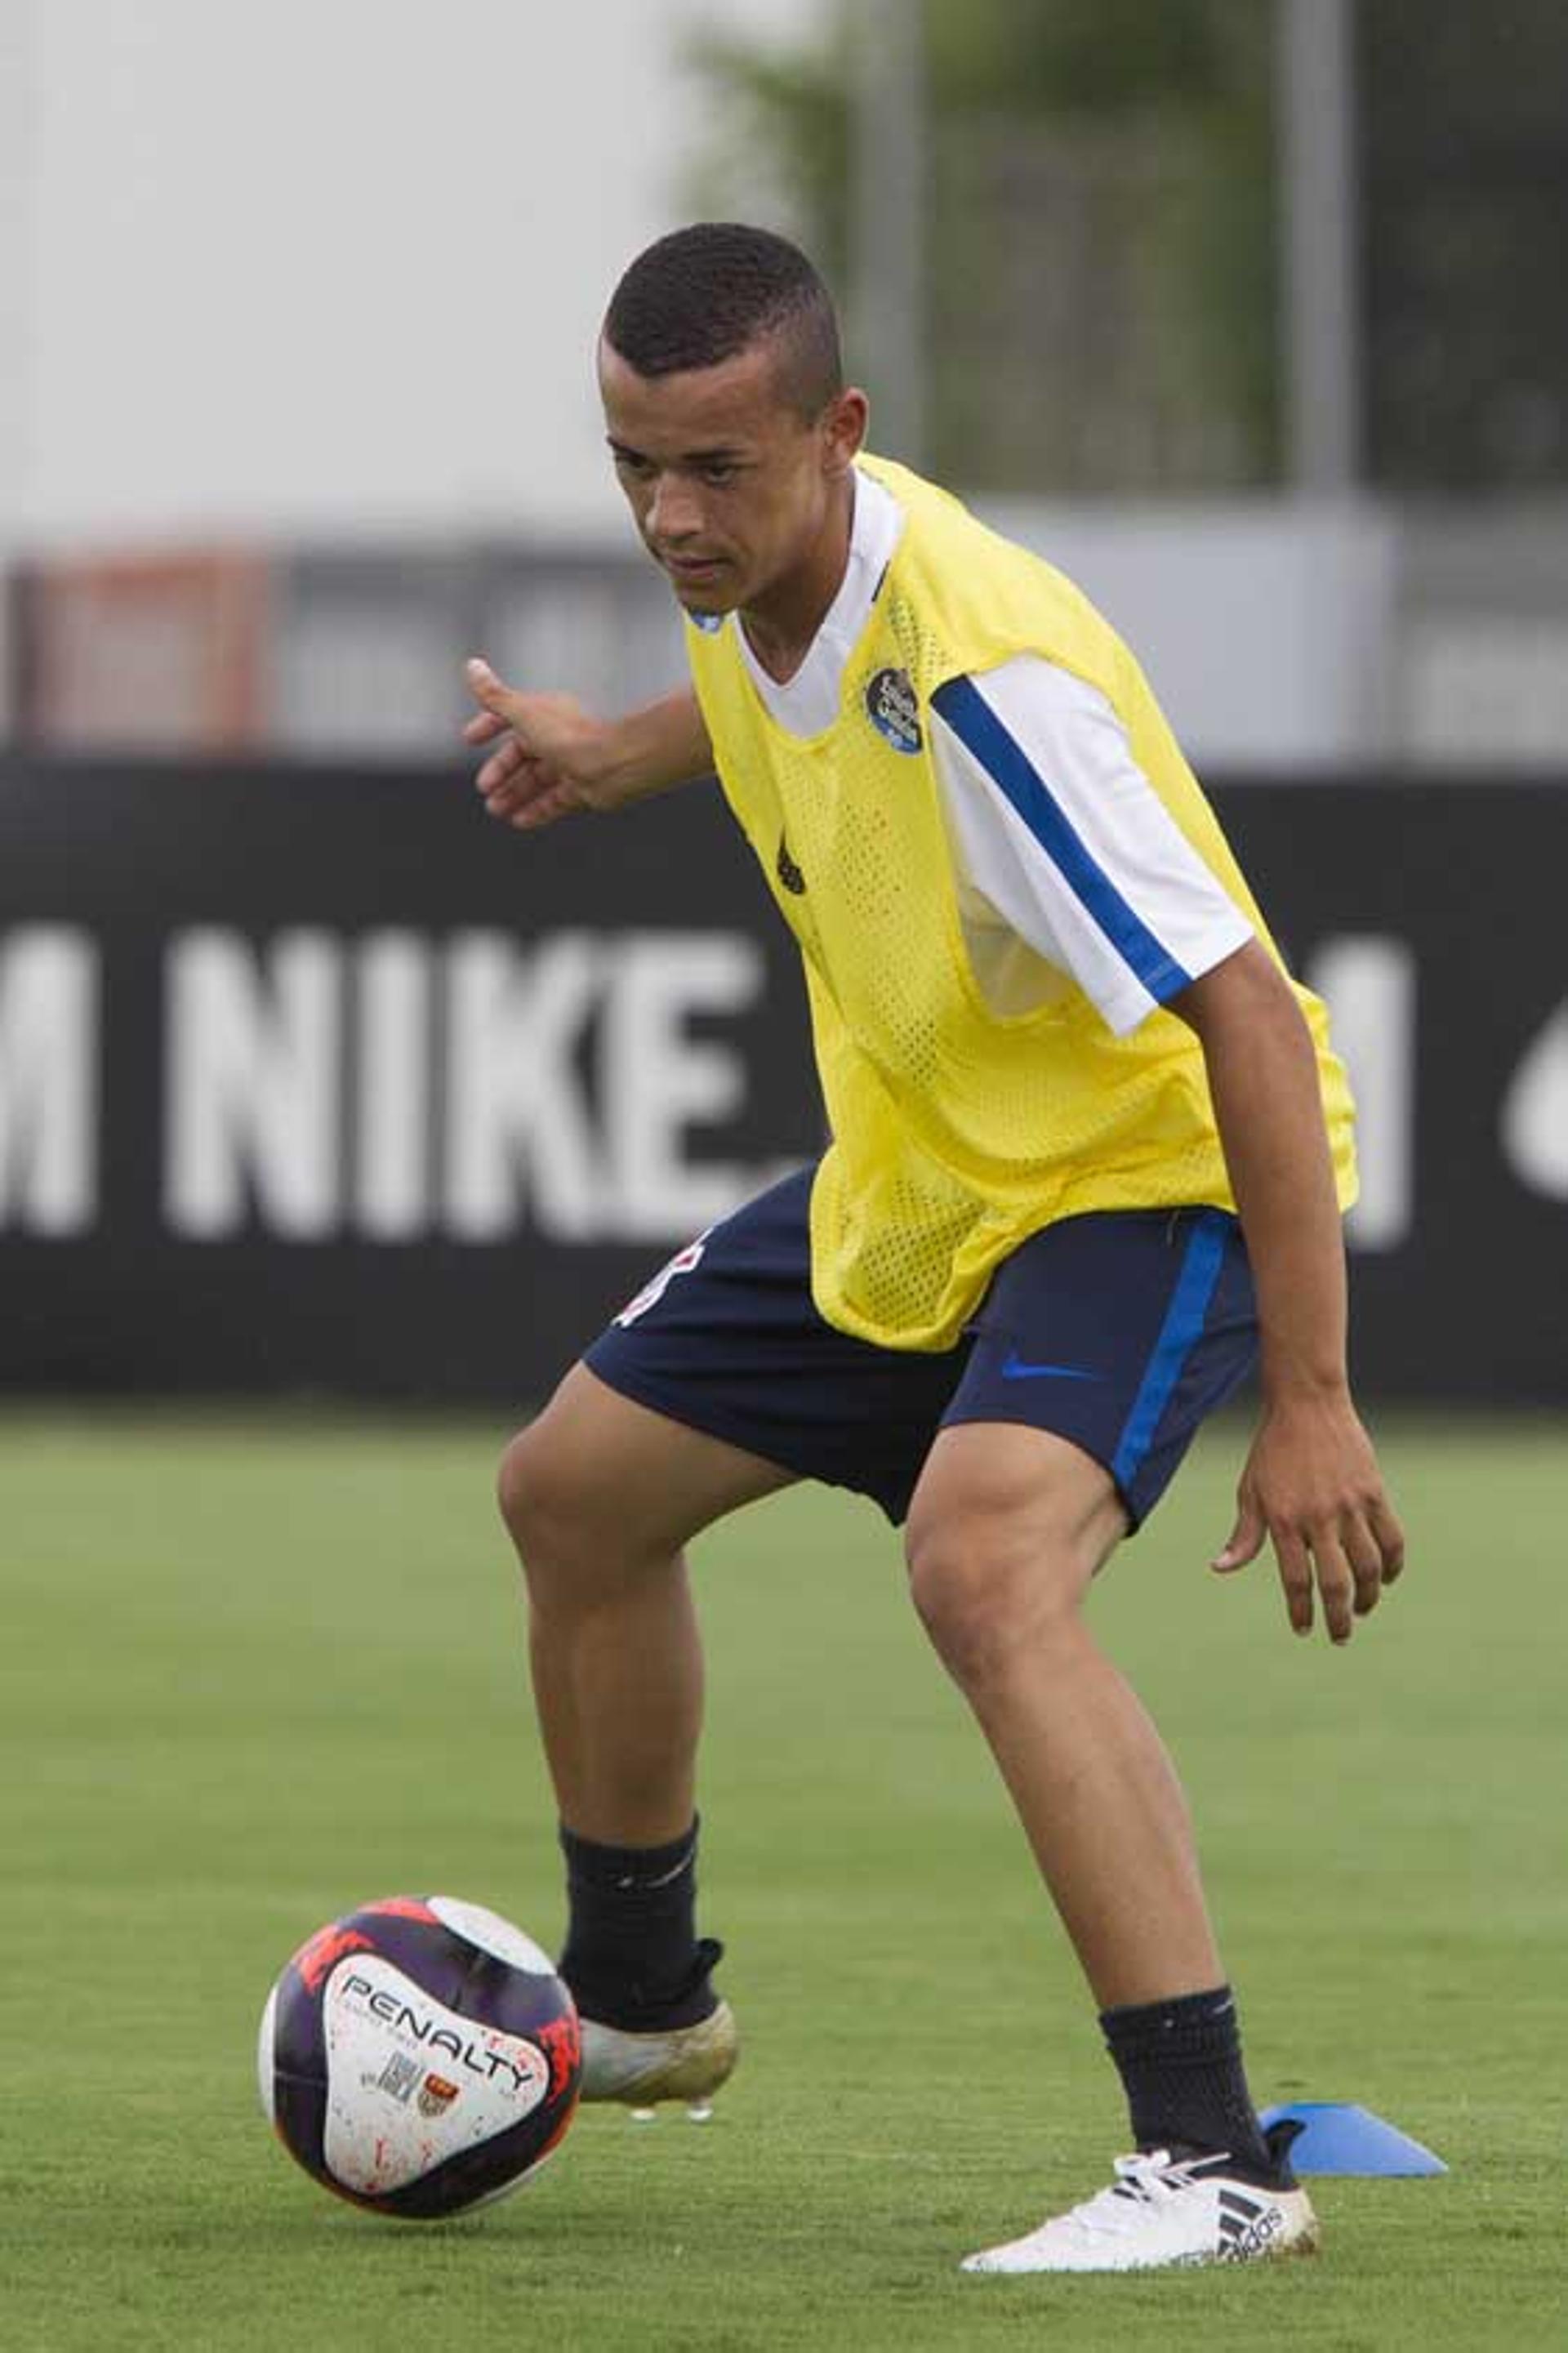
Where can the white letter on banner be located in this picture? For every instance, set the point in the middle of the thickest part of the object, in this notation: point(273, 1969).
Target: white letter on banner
point(252, 1076)
point(656, 1081)
point(49, 1074)
point(1369, 987)
point(392, 1104)
point(514, 1094)
point(1534, 1121)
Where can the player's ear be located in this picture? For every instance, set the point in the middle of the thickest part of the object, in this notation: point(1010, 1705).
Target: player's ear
point(843, 428)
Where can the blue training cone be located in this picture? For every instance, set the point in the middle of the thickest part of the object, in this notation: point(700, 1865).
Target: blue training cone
point(1338, 2138)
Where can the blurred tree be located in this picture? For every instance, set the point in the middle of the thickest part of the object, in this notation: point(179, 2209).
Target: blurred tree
point(1099, 232)
point(1464, 118)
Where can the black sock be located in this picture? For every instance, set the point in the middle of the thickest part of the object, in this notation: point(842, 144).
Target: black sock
point(1180, 2063)
point(633, 1959)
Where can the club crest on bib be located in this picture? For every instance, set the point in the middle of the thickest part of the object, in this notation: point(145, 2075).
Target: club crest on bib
point(894, 710)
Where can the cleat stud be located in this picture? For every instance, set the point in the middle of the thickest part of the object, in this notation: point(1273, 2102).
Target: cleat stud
point(644, 2115)
point(700, 2112)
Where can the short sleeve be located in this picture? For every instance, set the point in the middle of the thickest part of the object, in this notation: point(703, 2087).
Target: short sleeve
point(1058, 827)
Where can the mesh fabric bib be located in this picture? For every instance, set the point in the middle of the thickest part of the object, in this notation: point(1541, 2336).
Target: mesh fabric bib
point(955, 1132)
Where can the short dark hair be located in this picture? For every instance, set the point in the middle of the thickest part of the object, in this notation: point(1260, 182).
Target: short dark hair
point(706, 293)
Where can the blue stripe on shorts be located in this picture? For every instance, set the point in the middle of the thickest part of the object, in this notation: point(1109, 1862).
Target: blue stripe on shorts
point(1184, 1324)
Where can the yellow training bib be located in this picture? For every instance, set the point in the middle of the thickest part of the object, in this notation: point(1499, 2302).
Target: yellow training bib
point(957, 1132)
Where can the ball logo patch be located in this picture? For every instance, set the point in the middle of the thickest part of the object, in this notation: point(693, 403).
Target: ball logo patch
point(437, 2096)
point(894, 709)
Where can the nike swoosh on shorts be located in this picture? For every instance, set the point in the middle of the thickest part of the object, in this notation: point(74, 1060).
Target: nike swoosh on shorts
point(1015, 1369)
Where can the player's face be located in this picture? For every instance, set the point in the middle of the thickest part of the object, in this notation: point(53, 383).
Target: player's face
point(735, 493)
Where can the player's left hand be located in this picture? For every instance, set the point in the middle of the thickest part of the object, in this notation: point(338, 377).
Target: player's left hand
point(1312, 1485)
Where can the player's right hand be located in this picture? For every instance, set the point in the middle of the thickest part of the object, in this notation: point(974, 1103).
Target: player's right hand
point(545, 764)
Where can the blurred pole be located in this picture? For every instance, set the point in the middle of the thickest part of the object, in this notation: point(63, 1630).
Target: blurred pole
point(887, 228)
point(1320, 219)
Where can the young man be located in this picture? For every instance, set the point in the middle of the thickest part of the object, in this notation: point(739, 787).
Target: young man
point(1089, 1150)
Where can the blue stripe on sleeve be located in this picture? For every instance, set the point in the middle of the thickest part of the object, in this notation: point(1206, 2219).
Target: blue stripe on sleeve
point(960, 703)
point(1184, 1324)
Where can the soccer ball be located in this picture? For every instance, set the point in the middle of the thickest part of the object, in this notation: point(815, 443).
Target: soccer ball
point(420, 2056)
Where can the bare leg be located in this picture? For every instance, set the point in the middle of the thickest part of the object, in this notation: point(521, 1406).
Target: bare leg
point(1007, 1528)
point(600, 1497)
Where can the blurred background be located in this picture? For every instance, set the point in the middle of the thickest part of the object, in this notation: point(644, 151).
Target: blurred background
point(1246, 313)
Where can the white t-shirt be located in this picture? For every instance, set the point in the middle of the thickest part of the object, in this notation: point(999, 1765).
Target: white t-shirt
point(1044, 799)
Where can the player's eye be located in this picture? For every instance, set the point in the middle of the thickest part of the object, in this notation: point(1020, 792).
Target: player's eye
point(720, 471)
point(635, 469)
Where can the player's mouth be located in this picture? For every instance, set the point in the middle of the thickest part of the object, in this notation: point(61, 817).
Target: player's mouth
point(693, 570)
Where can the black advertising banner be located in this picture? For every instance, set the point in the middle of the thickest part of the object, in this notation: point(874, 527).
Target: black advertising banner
point(1431, 916)
point(314, 1081)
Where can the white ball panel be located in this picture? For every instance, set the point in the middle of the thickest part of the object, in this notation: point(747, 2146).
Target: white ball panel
point(265, 2044)
point(492, 1934)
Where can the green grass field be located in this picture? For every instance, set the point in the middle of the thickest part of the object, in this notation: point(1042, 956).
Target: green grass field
point(253, 1673)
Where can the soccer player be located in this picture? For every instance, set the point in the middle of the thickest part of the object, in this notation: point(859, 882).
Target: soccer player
point(1089, 1148)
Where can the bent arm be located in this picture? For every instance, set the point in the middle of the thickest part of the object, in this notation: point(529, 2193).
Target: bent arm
point(1263, 1078)
point(552, 756)
point(1311, 1484)
point(648, 751)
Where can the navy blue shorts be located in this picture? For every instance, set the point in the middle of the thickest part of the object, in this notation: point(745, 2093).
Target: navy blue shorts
point(1119, 1330)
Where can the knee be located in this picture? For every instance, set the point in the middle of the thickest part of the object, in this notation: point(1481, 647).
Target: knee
point(546, 1506)
point(986, 1604)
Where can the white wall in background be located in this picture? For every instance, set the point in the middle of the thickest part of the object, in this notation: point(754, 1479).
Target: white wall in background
point(1267, 627)
point(324, 267)
point(14, 208)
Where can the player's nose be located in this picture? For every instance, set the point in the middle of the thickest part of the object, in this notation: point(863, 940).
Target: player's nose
point(673, 514)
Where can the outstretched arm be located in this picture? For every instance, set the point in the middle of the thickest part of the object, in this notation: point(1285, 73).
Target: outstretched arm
point(1311, 1481)
point(552, 756)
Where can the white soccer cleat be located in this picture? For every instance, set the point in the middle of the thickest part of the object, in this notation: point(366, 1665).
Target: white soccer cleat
point(682, 2063)
point(1159, 2212)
